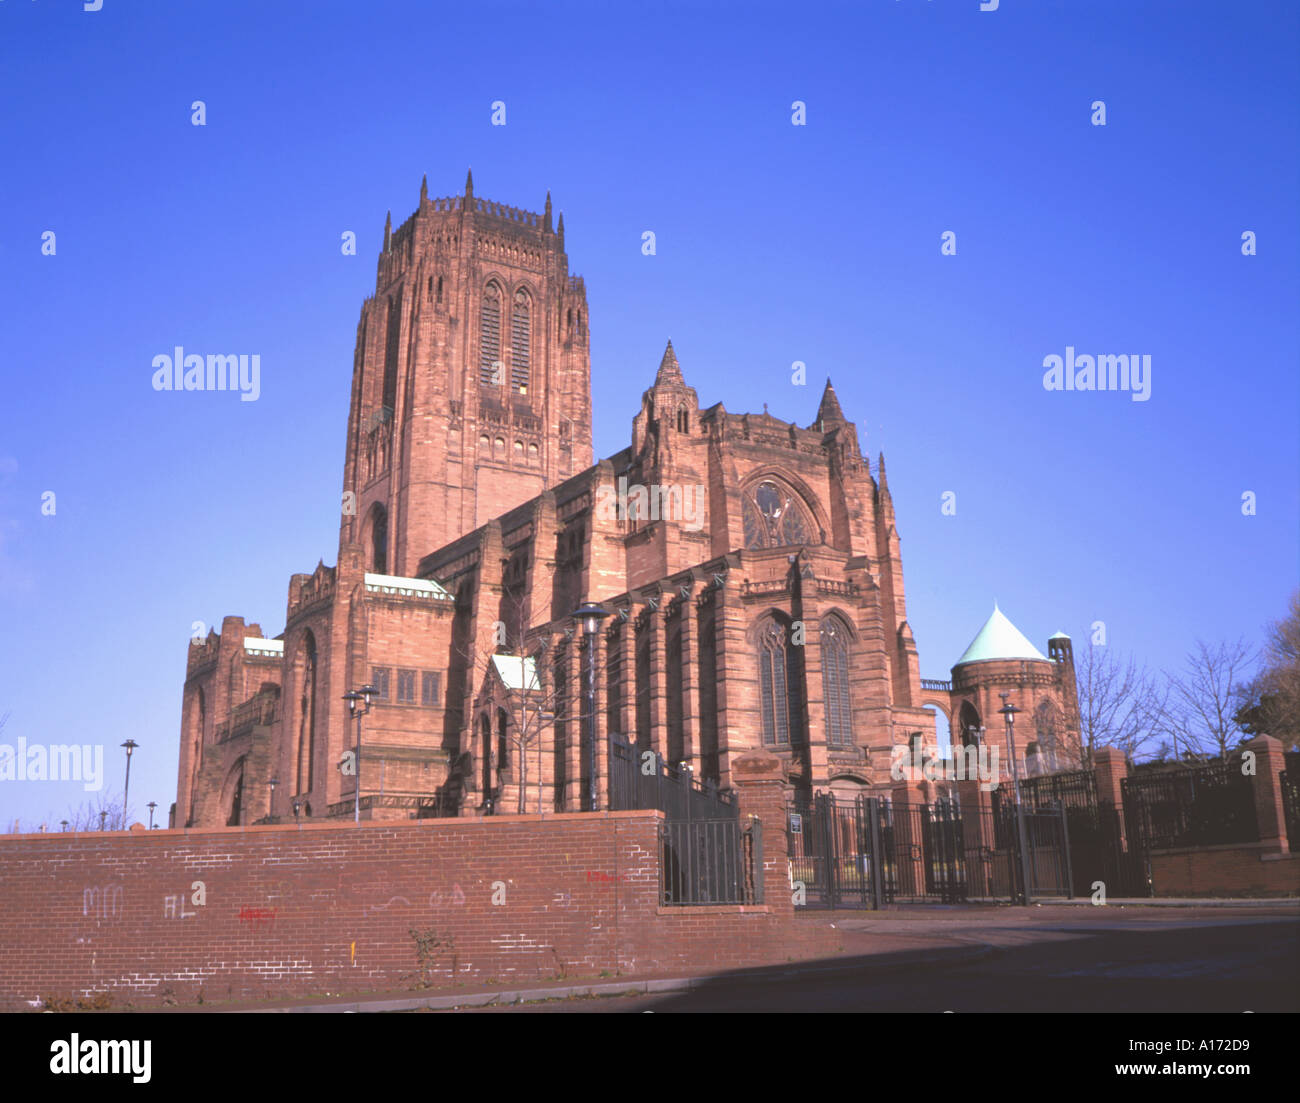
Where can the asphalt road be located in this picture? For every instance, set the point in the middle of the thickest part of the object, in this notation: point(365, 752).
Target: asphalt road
point(1123, 962)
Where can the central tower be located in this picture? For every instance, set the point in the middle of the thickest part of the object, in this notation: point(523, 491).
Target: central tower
point(471, 382)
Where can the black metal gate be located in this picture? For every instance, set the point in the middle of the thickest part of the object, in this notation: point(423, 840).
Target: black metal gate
point(706, 857)
point(870, 852)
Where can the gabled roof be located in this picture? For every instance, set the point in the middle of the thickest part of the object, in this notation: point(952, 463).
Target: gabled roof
point(516, 672)
point(1000, 639)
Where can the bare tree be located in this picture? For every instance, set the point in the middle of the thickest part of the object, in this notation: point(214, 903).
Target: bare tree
point(1205, 698)
point(1120, 704)
point(532, 700)
point(1270, 704)
point(85, 817)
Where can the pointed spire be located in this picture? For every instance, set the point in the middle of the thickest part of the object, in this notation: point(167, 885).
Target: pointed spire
point(669, 370)
point(884, 483)
point(546, 218)
point(559, 230)
point(424, 188)
point(829, 411)
point(469, 186)
point(388, 231)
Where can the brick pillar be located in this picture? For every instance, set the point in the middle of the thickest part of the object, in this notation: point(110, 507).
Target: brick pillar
point(761, 783)
point(977, 832)
point(1110, 767)
point(1269, 814)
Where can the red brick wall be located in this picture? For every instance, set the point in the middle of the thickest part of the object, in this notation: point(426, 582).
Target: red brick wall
point(1225, 871)
point(330, 907)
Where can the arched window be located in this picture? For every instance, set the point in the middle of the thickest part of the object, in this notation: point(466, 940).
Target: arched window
point(307, 714)
point(379, 540)
point(835, 682)
point(972, 732)
point(683, 421)
point(390, 350)
point(489, 344)
point(774, 516)
point(1046, 727)
point(778, 681)
point(235, 794)
point(503, 741)
point(520, 335)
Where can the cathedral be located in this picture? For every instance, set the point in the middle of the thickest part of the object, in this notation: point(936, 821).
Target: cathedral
point(748, 574)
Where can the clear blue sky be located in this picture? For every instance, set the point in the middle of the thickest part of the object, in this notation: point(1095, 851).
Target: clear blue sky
point(775, 243)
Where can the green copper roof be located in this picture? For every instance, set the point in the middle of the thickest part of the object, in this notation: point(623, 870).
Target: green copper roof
point(1000, 639)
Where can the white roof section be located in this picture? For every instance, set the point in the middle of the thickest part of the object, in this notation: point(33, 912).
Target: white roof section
point(405, 587)
point(516, 672)
point(1000, 639)
point(254, 645)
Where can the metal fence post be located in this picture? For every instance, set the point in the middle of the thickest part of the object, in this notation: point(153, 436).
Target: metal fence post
point(1065, 846)
point(756, 830)
point(1024, 854)
point(875, 861)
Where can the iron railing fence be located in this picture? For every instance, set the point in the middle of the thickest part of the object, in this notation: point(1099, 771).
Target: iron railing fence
point(870, 852)
point(709, 862)
point(1205, 805)
point(637, 781)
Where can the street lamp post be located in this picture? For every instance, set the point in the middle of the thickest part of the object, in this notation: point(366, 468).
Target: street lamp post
point(270, 812)
point(589, 617)
point(65, 824)
point(151, 806)
point(355, 699)
point(1009, 711)
point(297, 805)
point(130, 746)
point(102, 817)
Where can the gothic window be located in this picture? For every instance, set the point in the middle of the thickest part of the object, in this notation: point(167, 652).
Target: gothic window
point(683, 421)
point(380, 678)
point(406, 687)
point(390, 350)
point(489, 345)
point(307, 714)
point(775, 517)
point(1045, 724)
point(429, 688)
point(971, 732)
point(379, 540)
point(237, 799)
point(778, 685)
point(835, 683)
point(520, 335)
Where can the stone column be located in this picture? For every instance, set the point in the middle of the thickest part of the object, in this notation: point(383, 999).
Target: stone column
point(690, 683)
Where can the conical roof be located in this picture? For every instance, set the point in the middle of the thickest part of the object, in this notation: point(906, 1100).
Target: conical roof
point(1000, 639)
point(669, 370)
point(830, 405)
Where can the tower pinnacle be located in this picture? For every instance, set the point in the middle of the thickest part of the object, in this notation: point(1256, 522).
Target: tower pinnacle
point(829, 411)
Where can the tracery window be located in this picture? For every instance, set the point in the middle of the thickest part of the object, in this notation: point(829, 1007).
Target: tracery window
point(520, 335)
point(835, 682)
point(781, 705)
point(489, 345)
point(775, 517)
